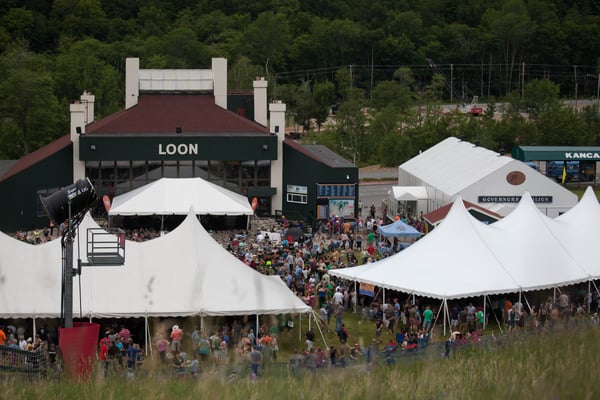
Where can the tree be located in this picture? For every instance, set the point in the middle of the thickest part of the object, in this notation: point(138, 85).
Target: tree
point(511, 27)
point(541, 95)
point(78, 68)
point(31, 113)
point(324, 95)
point(265, 40)
point(391, 94)
point(350, 127)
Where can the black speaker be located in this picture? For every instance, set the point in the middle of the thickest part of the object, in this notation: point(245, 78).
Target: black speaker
point(81, 194)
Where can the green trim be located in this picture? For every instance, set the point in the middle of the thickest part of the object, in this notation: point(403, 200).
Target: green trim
point(556, 153)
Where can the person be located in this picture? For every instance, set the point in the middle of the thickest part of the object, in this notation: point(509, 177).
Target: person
point(179, 359)
point(295, 361)
point(125, 334)
point(196, 334)
point(267, 355)
point(480, 319)
point(339, 315)
point(132, 355)
point(333, 356)
point(161, 346)
point(2, 336)
point(342, 334)
point(105, 343)
point(255, 357)
point(427, 318)
point(203, 349)
point(176, 337)
point(310, 339)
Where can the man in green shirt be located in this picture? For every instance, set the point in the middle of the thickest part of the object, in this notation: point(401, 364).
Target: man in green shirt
point(427, 318)
point(480, 319)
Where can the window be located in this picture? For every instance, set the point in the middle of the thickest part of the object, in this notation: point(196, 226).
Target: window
point(297, 198)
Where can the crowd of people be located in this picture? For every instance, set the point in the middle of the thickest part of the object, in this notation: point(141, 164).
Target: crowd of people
point(303, 261)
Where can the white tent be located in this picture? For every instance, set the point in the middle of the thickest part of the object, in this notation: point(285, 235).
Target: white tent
point(176, 196)
point(455, 167)
point(450, 262)
point(576, 229)
point(183, 273)
point(464, 257)
point(529, 251)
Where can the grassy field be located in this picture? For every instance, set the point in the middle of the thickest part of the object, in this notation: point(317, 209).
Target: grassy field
point(555, 365)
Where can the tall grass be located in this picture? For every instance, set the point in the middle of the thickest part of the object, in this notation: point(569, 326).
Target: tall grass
point(554, 365)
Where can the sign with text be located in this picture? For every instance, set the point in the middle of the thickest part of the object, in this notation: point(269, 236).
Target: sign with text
point(512, 199)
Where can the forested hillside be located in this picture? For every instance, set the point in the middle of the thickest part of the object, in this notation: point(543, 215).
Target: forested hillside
point(385, 66)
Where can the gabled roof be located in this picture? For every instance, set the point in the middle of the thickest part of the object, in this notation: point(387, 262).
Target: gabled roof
point(37, 156)
point(436, 216)
point(321, 154)
point(163, 113)
point(453, 165)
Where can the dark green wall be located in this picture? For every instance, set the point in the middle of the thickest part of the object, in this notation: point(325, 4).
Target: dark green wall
point(19, 192)
point(302, 170)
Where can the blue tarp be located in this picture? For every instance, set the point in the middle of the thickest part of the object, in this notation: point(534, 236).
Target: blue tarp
point(398, 228)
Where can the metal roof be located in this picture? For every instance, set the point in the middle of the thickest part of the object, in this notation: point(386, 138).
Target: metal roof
point(453, 165)
point(163, 114)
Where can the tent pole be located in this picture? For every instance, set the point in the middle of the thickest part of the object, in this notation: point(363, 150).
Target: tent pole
point(484, 314)
point(320, 331)
point(383, 291)
point(440, 311)
point(162, 223)
point(257, 326)
point(589, 308)
point(554, 296)
point(34, 328)
point(355, 297)
point(146, 333)
point(446, 314)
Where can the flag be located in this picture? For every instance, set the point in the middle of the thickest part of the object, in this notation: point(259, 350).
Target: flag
point(564, 174)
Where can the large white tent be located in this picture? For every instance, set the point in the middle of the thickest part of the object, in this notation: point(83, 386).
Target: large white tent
point(464, 257)
point(450, 262)
point(577, 228)
point(175, 196)
point(184, 273)
point(455, 167)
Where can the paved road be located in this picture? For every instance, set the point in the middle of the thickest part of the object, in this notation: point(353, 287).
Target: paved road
point(373, 193)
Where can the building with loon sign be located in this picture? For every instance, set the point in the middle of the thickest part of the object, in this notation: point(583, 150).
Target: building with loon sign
point(183, 123)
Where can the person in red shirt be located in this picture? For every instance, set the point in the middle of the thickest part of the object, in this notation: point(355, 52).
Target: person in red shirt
point(105, 343)
point(176, 337)
point(2, 336)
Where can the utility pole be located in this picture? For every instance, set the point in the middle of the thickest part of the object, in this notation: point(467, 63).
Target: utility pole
point(451, 83)
point(575, 71)
point(523, 81)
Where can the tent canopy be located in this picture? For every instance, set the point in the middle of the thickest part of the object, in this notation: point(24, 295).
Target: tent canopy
point(464, 257)
point(398, 229)
point(409, 193)
point(183, 273)
point(175, 196)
